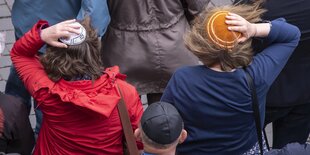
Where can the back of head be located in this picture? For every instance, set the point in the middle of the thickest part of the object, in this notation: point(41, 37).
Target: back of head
point(76, 60)
point(211, 41)
point(161, 125)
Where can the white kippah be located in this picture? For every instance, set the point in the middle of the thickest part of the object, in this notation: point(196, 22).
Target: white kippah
point(75, 39)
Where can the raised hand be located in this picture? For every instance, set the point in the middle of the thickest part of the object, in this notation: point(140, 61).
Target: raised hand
point(239, 24)
point(63, 29)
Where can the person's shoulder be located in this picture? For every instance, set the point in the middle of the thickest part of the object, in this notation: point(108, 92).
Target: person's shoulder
point(184, 70)
point(123, 84)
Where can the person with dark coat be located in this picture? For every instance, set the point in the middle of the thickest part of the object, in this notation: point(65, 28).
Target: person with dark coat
point(288, 100)
point(16, 133)
point(145, 38)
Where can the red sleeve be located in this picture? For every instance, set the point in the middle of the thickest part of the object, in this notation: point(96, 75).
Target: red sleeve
point(136, 111)
point(134, 106)
point(25, 59)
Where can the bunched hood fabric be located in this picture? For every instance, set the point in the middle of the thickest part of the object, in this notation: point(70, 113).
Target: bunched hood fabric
point(85, 94)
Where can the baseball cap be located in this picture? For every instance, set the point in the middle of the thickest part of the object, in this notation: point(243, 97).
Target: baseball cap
point(162, 123)
point(218, 32)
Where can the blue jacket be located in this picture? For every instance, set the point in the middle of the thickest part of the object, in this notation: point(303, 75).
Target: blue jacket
point(25, 13)
point(216, 106)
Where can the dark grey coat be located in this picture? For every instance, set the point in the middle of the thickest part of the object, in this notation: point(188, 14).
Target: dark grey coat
point(145, 39)
point(18, 135)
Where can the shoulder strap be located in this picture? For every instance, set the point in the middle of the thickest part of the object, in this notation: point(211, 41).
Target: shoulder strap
point(255, 108)
point(127, 128)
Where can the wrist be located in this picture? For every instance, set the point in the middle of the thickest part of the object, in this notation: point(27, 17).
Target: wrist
point(254, 29)
point(41, 30)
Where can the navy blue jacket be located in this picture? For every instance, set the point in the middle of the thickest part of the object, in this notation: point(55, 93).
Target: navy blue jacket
point(216, 106)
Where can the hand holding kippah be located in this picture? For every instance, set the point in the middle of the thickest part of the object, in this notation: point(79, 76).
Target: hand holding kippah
point(64, 29)
point(218, 32)
point(239, 24)
point(75, 39)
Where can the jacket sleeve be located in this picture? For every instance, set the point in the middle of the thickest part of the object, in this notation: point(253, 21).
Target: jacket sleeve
point(98, 12)
point(282, 40)
point(136, 114)
point(134, 106)
point(25, 59)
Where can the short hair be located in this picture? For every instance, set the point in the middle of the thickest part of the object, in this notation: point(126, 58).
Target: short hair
point(76, 60)
point(198, 42)
point(146, 140)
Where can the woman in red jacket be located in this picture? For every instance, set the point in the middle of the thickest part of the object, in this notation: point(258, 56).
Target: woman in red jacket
point(78, 99)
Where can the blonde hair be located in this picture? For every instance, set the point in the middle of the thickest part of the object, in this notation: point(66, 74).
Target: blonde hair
point(198, 42)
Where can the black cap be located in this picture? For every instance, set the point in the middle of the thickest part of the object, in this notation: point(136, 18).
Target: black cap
point(162, 123)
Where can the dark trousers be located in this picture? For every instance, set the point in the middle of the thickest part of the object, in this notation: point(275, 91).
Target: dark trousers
point(289, 124)
point(15, 87)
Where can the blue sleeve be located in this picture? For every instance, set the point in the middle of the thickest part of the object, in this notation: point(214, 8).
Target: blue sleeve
point(98, 12)
point(282, 40)
point(168, 93)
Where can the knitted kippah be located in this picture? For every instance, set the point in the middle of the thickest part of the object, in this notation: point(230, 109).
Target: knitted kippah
point(75, 39)
point(218, 32)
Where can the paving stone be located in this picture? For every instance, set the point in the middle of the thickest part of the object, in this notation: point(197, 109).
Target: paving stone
point(10, 37)
point(4, 11)
point(2, 2)
point(219, 2)
point(10, 3)
point(268, 130)
point(222, 2)
point(5, 61)
point(32, 118)
point(2, 86)
point(4, 73)
point(7, 49)
point(6, 24)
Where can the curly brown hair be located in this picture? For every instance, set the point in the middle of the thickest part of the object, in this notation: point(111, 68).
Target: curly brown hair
point(198, 42)
point(76, 60)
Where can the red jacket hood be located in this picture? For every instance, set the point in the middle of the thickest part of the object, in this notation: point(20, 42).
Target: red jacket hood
point(100, 96)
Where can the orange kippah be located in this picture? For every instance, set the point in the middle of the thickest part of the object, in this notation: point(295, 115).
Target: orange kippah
point(218, 31)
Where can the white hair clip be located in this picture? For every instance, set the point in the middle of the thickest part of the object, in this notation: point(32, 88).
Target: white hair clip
point(75, 39)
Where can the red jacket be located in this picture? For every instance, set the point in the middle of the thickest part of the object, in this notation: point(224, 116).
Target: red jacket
point(79, 117)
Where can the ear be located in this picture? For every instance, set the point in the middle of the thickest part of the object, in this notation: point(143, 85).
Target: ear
point(137, 134)
point(183, 136)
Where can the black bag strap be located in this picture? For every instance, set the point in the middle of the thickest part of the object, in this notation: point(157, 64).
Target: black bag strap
point(255, 108)
point(127, 129)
